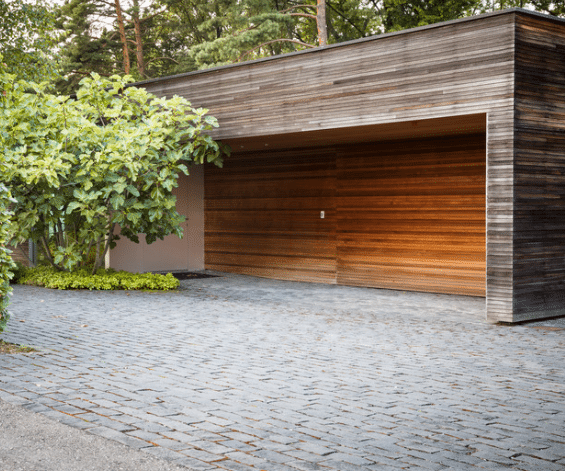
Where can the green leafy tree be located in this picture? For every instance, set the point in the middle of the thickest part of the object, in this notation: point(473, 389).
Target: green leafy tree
point(27, 36)
point(80, 167)
point(401, 14)
point(6, 263)
point(555, 8)
point(153, 38)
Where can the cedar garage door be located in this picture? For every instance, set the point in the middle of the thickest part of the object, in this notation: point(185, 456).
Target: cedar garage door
point(401, 214)
point(411, 215)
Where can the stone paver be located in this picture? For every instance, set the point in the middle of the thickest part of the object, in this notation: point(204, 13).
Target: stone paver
point(242, 373)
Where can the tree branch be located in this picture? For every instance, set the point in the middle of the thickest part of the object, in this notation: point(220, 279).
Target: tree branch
point(237, 33)
point(298, 6)
point(141, 20)
point(88, 73)
point(157, 58)
point(345, 18)
point(295, 41)
point(307, 15)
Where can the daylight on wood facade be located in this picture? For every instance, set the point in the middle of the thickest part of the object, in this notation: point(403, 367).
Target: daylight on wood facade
point(429, 160)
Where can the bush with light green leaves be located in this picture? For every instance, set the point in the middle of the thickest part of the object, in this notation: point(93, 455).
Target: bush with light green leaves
point(81, 167)
point(6, 264)
point(110, 279)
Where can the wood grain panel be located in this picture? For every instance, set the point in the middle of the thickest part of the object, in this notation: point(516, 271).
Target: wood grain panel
point(407, 214)
point(539, 185)
point(21, 253)
point(419, 236)
point(262, 215)
point(452, 70)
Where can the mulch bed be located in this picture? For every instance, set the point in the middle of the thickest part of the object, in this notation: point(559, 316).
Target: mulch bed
point(187, 275)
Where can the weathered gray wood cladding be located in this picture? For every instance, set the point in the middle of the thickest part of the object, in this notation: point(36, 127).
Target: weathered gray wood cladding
point(507, 65)
point(539, 169)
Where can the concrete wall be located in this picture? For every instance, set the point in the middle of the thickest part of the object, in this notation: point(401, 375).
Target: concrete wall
point(171, 253)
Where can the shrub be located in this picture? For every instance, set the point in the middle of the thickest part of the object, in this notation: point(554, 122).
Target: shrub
point(110, 279)
point(109, 157)
point(6, 263)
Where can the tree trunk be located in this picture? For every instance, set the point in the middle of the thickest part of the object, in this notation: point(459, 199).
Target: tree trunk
point(138, 39)
point(101, 256)
point(122, 29)
point(322, 25)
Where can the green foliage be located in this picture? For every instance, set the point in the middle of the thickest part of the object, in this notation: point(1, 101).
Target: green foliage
point(27, 37)
point(182, 35)
point(249, 29)
point(400, 14)
point(109, 279)
point(555, 8)
point(85, 46)
point(18, 271)
point(78, 168)
point(6, 264)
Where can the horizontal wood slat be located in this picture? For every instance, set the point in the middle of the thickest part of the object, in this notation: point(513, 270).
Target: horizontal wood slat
point(427, 249)
point(539, 224)
point(262, 215)
point(405, 214)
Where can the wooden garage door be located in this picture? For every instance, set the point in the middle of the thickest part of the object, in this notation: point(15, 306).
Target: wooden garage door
point(405, 214)
point(262, 215)
point(411, 215)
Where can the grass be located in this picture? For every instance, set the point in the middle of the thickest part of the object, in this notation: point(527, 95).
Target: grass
point(6, 347)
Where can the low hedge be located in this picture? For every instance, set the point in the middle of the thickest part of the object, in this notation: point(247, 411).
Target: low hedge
point(103, 279)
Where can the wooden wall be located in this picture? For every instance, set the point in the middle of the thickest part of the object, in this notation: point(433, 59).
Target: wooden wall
point(401, 214)
point(539, 184)
point(21, 253)
point(452, 69)
point(447, 70)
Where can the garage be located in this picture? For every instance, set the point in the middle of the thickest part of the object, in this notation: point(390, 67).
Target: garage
point(429, 159)
point(397, 207)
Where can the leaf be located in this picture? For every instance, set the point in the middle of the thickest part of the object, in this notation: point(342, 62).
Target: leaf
point(133, 190)
point(72, 206)
point(69, 170)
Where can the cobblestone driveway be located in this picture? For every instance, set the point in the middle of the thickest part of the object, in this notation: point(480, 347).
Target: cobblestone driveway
point(245, 374)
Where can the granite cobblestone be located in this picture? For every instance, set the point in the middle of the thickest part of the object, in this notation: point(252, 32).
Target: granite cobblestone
point(247, 374)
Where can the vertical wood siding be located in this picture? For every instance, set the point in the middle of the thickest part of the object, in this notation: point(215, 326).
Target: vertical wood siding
point(539, 185)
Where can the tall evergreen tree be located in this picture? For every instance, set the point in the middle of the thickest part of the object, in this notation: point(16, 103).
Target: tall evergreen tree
point(87, 46)
point(240, 30)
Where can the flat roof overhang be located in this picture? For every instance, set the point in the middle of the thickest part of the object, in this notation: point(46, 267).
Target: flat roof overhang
point(452, 126)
